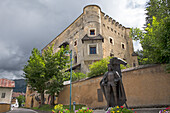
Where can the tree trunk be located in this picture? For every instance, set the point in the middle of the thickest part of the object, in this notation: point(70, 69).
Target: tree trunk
point(52, 100)
point(42, 98)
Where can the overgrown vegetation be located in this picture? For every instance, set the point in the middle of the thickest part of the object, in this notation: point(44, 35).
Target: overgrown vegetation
point(155, 40)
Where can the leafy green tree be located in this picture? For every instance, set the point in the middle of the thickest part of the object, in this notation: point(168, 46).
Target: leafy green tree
point(157, 8)
point(100, 67)
point(21, 99)
point(155, 42)
point(55, 65)
point(34, 73)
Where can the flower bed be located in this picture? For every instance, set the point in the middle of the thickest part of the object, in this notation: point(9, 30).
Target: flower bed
point(84, 110)
point(59, 109)
point(120, 109)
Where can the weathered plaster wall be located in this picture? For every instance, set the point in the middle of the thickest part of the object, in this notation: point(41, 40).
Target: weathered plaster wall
point(144, 87)
point(4, 108)
point(8, 95)
point(30, 98)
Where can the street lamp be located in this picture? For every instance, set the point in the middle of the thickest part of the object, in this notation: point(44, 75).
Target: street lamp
point(70, 76)
point(70, 52)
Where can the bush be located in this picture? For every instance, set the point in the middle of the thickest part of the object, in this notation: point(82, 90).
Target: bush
point(100, 67)
point(78, 76)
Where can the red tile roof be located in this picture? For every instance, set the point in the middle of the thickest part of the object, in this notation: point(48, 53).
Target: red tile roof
point(17, 94)
point(7, 83)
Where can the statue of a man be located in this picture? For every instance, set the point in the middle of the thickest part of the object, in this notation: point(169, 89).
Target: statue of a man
point(111, 84)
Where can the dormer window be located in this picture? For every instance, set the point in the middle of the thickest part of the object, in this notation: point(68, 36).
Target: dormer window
point(92, 32)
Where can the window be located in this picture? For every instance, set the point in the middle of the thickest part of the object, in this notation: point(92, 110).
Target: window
point(92, 50)
point(75, 59)
point(75, 43)
point(112, 29)
point(123, 46)
point(92, 32)
point(107, 27)
point(3, 95)
point(111, 40)
point(134, 64)
point(103, 25)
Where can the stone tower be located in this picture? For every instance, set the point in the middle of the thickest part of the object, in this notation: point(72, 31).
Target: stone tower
point(93, 36)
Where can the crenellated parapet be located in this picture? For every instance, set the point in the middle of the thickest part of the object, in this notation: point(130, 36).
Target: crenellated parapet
point(111, 22)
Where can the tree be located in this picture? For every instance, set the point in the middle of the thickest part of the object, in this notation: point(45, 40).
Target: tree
point(157, 8)
point(100, 67)
point(21, 99)
point(155, 42)
point(34, 73)
point(55, 65)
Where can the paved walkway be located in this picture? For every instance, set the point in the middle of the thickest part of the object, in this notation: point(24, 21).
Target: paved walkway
point(21, 110)
point(140, 110)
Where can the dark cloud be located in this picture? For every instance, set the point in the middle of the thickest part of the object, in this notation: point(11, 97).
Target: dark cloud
point(28, 24)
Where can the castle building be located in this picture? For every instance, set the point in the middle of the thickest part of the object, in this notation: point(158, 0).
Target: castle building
point(93, 36)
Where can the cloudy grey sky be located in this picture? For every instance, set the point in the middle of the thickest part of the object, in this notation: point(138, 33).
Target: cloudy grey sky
point(28, 24)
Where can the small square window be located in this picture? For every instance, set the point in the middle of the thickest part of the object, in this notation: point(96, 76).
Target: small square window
point(3, 95)
point(92, 32)
point(92, 50)
point(123, 46)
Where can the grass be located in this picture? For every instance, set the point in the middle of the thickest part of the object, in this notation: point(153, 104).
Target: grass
point(45, 107)
point(49, 108)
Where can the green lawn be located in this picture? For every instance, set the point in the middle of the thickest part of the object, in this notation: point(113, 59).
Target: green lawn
point(49, 108)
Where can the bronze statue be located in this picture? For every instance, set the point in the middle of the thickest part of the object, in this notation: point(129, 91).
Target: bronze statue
point(112, 85)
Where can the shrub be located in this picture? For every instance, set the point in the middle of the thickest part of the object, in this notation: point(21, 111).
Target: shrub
point(78, 76)
point(100, 67)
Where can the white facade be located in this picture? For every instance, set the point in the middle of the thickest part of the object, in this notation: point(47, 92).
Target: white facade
point(16, 104)
point(5, 95)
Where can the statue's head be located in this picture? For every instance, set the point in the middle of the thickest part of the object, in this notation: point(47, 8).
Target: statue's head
point(116, 60)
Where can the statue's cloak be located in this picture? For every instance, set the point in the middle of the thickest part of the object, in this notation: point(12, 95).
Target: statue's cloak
point(121, 99)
